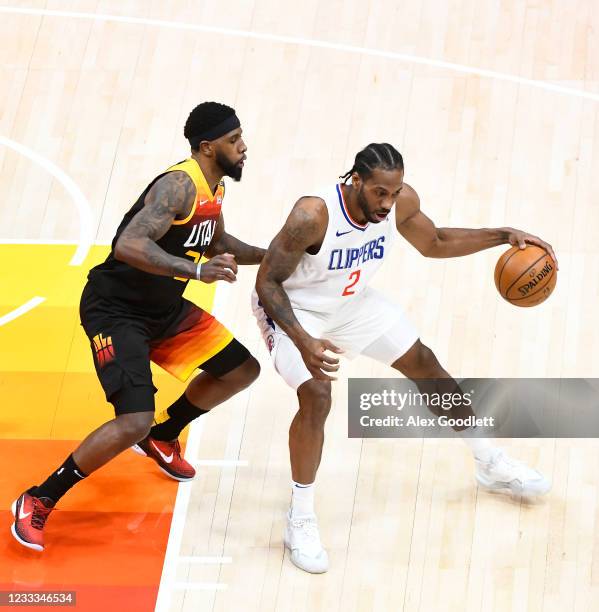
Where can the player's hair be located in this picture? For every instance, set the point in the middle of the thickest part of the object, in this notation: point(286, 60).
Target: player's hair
point(204, 117)
point(380, 155)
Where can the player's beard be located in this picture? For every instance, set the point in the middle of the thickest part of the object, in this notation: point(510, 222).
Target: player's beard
point(363, 205)
point(229, 168)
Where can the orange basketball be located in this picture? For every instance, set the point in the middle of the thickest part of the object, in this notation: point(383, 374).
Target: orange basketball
point(525, 277)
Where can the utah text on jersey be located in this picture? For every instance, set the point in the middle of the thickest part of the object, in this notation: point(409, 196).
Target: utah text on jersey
point(201, 233)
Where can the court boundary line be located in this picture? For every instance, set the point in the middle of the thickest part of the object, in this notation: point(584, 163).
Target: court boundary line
point(168, 576)
point(37, 300)
point(168, 579)
point(21, 310)
point(81, 202)
point(310, 42)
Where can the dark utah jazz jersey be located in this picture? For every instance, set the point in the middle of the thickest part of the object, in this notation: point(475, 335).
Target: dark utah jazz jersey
point(188, 238)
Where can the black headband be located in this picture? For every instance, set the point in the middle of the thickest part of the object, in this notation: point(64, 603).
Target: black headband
point(228, 125)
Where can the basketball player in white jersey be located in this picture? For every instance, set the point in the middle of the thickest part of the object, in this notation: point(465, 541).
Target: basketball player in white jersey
point(312, 299)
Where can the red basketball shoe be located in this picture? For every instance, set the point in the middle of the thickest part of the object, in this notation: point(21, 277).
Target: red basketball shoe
point(168, 457)
point(30, 515)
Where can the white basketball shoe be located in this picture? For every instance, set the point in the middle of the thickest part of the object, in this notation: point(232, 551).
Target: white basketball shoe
point(303, 541)
point(503, 472)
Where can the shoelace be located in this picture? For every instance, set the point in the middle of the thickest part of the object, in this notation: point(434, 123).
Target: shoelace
point(308, 526)
point(39, 514)
point(177, 449)
point(502, 457)
point(520, 468)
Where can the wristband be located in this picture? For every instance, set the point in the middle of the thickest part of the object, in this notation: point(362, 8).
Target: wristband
point(198, 271)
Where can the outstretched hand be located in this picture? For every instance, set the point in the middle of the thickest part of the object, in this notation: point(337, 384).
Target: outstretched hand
point(521, 239)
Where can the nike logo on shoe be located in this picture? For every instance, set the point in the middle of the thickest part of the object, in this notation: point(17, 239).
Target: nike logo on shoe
point(23, 515)
point(166, 458)
point(343, 233)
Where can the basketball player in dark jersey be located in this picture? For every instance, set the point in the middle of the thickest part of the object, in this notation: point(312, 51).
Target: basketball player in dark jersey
point(133, 311)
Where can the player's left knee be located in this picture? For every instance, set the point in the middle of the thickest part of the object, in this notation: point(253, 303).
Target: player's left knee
point(426, 361)
point(243, 375)
point(418, 362)
point(134, 426)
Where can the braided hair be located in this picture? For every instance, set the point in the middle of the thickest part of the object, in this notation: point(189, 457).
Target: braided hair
point(380, 155)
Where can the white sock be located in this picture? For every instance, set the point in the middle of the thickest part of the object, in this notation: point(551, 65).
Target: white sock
point(302, 499)
point(481, 448)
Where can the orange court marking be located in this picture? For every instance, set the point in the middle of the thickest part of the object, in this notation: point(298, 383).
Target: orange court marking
point(107, 538)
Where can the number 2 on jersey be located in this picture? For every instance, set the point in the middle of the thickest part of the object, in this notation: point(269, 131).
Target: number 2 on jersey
point(356, 276)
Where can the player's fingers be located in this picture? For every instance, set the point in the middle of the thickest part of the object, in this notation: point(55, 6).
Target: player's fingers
point(537, 241)
point(228, 261)
point(228, 272)
point(231, 263)
point(227, 275)
point(329, 368)
point(316, 367)
point(329, 359)
point(544, 245)
point(549, 250)
point(329, 346)
point(320, 375)
point(316, 372)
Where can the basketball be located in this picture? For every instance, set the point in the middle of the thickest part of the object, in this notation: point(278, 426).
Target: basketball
point(525, 277)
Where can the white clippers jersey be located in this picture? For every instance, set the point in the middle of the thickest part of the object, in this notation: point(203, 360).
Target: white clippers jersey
point(349, 257)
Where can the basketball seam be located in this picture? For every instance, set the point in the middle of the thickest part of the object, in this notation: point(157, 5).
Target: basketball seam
point(521, 275)
point(502, 269)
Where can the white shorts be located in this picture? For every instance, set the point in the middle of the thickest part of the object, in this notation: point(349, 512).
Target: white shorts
point(369, 324)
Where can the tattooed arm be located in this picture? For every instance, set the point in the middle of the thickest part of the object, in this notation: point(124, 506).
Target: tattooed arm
point(305, 228)
point(225, 243)
point(170, 196)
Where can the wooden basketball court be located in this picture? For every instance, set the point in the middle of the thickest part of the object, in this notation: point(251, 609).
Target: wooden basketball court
point(494, 106)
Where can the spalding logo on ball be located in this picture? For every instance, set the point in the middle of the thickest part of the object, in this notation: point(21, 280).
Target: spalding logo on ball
point(525, 277)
